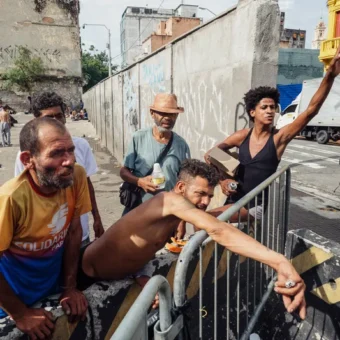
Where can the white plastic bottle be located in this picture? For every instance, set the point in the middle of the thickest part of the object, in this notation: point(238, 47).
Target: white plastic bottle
point(158, 177)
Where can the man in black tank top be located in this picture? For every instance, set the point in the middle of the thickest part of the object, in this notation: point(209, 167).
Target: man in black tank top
point(261, 147)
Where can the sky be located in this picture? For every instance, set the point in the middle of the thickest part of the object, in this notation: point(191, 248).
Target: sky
point(300, 14)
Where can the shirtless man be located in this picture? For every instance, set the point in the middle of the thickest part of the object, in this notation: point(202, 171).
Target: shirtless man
point(134, 239)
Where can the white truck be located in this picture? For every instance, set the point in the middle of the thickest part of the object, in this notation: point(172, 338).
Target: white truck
point(326, 125)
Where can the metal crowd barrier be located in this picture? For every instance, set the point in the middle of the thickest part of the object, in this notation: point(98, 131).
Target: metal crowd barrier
point(241, 287)
point(134, 325)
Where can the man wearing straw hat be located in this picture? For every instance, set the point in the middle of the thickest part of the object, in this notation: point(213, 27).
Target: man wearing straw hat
point(157, 144)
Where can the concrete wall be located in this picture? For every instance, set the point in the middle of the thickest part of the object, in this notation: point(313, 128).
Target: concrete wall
point(209, 69)
point(49, 29)
point(297, 65)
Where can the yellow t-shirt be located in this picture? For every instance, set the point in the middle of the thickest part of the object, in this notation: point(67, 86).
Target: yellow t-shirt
point(33, 227)
point(37, 223)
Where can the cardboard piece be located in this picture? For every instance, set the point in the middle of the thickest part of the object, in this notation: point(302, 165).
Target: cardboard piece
point(224, 160)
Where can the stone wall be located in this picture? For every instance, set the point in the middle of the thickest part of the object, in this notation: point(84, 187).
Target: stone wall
point(49, 29)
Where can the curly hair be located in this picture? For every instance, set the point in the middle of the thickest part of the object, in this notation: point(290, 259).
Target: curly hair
point(191, 168)
point(254, 96)
point(45, 100)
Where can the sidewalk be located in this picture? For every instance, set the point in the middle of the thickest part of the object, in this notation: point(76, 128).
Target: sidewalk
point(106, 182)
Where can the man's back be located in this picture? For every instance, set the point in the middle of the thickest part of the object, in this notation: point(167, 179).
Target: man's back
point(134, 239)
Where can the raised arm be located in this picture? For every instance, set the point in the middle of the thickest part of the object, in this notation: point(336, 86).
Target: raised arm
point(287, 133)
point(238, 242)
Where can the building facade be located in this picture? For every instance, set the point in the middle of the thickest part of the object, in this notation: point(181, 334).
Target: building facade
point(138, 23)
point(297, 65)
point(319, 35)
point(291, 38)
point(49, 30)
point(168, 31)
point(330, 45)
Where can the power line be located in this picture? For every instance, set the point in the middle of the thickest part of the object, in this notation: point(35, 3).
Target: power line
point(133, 45)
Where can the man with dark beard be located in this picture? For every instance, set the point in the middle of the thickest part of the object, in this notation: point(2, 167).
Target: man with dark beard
point(148, 144)
point(40, 230)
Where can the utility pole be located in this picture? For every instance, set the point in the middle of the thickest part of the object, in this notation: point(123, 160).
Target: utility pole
point(108, 45)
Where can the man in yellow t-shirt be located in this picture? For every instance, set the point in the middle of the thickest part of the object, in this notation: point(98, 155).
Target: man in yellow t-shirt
point(40, 230)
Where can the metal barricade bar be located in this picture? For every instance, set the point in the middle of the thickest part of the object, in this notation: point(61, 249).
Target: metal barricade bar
point(258, 311)
point(275, 226)
point(275, 193)
point(129, 326)
point(199, 237)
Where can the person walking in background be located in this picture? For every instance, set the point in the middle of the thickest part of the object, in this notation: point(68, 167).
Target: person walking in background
point(5, 128)
point(157, 144)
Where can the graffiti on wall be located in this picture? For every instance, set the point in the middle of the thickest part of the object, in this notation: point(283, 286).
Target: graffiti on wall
point(241, 117)
point(130, 98)
point(207, 119)
point(153, 80)
point(9, 53)
point(153, 75)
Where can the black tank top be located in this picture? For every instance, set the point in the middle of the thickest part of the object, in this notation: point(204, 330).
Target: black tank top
point(253, 171)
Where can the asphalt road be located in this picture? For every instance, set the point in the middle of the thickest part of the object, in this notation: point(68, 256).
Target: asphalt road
point(315, 199)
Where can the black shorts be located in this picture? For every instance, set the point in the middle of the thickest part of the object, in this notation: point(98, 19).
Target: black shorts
point(83, 280)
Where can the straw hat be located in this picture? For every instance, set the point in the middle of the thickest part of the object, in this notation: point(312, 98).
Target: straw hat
point(166, 103)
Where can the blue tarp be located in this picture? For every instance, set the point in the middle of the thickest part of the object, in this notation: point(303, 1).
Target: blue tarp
point(288, 93)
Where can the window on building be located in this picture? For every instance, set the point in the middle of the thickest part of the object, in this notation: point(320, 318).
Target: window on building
point(135, 10)
point(337, 25)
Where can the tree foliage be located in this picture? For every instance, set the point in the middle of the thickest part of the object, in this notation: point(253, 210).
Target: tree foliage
point(95, 67)
point(26, 72)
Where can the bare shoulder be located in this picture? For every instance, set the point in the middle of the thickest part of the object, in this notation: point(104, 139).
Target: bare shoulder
point(237, 138)
point(174, 202)
point(242, 133)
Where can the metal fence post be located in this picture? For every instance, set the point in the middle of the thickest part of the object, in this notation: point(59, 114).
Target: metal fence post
point(130, 325)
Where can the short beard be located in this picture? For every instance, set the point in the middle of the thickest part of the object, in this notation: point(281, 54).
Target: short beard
point(48, 179)
point(162, 129)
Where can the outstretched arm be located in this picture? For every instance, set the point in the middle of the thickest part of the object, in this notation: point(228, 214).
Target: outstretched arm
point(242, 244)
point(287, 133)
